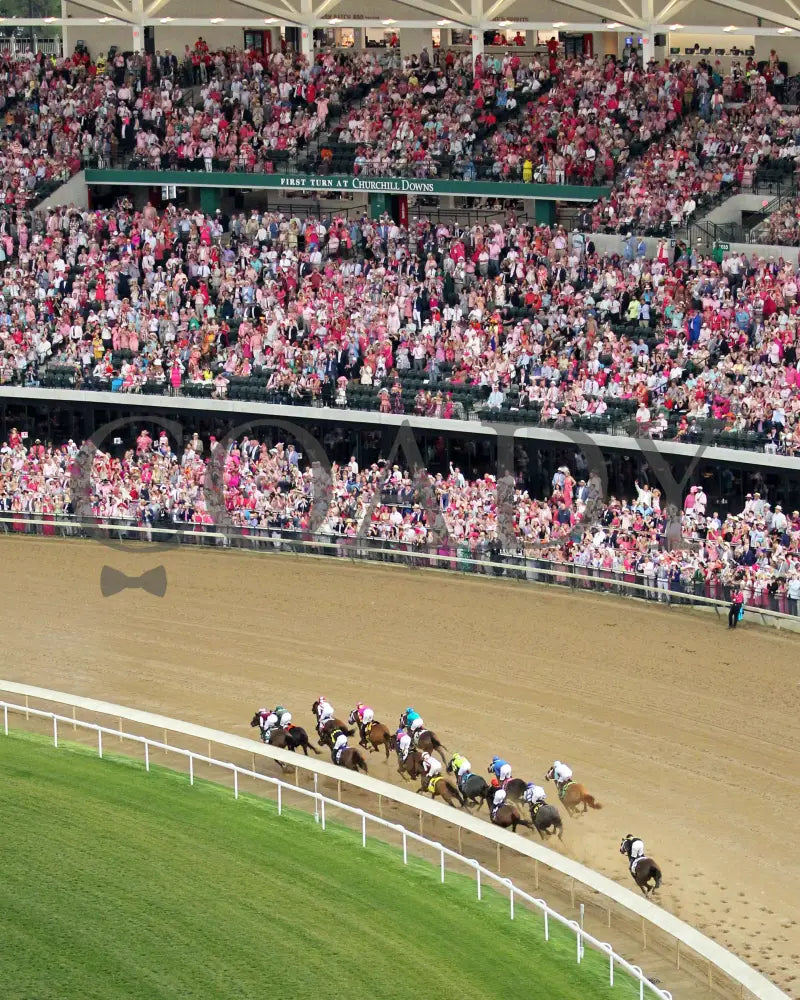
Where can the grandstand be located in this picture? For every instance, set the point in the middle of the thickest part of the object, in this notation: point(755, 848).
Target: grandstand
point(444, 286)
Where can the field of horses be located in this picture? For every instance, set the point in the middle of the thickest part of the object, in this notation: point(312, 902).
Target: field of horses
point(687, 733)
point(139, 885)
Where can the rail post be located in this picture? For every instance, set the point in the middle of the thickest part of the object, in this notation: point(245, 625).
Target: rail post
point(363, 829)
point(510, 895)
point(100, 743)
point(478, 879)
point(316, 799)
point(546, 925)
point(55, 731)
point(74, 720)
point(405, 848)
point(236, 782)
point(146, 756)
point(5, 718)
point(191, 769)
point(322, 811)
point(27, 713)
point(441, 863)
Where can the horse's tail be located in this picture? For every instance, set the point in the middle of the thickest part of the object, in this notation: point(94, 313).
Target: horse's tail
point(591, 802)
point(361, 764)
point(348, 732)
point(655, 872)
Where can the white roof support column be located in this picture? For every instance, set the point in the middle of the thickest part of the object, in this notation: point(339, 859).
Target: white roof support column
point(648, 38)
point(137, 28)
point(306, 30)
point(477, 30)
point(66, 46)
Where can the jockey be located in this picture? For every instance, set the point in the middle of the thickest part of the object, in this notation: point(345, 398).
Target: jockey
point(324, 711)
point(534, 794)
point(561, 774)
point(284, 717)
point(497, 796)
point(403, 743)
point(636, 849)
point(431, 766)
point(501, 769)
point(268, 723)
point(365, 714)
point(339, 744)
point(411, 720)
point(460, 765)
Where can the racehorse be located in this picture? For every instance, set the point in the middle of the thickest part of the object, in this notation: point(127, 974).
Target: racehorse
point(544, 816)
point(287, 739)
point(336, 722)
point(515, 789)
point(573, 795)
point(373, 735)
point(348, 757)
point(507, 815)
point(643, 869)
point(427, 741)
point(473, 787)
point(443, 788)
point(332, 726)
point(411, 766)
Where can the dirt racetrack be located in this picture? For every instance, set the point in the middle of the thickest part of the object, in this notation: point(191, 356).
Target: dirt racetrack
point(686, 732)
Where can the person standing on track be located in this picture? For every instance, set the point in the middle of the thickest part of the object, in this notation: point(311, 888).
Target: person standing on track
point(736, 608)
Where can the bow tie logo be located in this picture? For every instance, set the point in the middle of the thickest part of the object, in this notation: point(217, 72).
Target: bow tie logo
point(154, 581)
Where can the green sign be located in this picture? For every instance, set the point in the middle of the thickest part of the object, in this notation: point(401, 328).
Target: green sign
point(723, 246)
point(341, 182)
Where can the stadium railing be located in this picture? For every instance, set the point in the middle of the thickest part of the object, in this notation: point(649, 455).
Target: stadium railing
point(718, 962)
point(522, 566)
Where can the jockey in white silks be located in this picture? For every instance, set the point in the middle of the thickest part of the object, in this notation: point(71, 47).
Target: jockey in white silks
point(403, 743)
point(431, 765)
point(498, 798)
point(324, 711)
point(340, 744)
point(637, 851)
point(268, 721)
point(285, 720)
point(534, 794)
point(561, 774)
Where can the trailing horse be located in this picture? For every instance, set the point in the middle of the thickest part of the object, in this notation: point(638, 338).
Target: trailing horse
point(643, 870)
point(544, 816)
point(507, 815)
point(373, 735)
point(350, 758)
point(441, 787)
point(347, 757)
point(473, 787)
point(573, 794)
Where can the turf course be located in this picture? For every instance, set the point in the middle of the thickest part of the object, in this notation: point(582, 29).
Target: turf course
point(115, 883)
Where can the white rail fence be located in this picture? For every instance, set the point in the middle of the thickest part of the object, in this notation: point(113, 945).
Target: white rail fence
point(322, 807)
point(688, 946)
point(512, 566)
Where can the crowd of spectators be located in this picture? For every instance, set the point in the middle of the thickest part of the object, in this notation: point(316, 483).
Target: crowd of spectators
point(427, 119)
point(257, 486)
point(782, 227)
point(504, 320)
point(661, 189)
